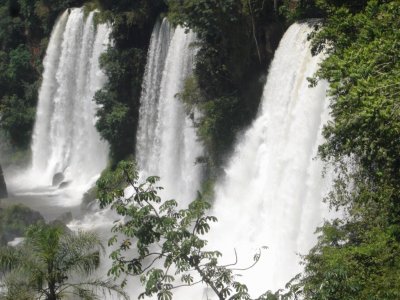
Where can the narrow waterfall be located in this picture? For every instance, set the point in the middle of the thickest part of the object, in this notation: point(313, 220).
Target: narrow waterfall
point(166, 140)
point(273, 189)
point(65, 139)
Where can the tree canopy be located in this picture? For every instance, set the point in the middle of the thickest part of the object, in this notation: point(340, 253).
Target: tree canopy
point(163, 243)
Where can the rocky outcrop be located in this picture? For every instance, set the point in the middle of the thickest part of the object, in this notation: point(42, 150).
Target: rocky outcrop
point(273, 35)
point(58, 178)
point(89, 199)
point(64, 184)
point(14, 220)
point(65, 218)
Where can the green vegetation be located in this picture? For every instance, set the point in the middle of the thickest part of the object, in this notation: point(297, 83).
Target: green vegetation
point(46, 262)
point(162, 243)
point(236, 40)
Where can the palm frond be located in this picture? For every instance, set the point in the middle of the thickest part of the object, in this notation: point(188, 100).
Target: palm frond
point(9, 258)
point(79, 253)
point(92, 289)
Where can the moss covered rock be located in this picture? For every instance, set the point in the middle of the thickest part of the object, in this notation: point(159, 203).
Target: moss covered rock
point(14, 220)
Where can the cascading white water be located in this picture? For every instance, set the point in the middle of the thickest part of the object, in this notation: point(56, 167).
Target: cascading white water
point(166, 140)
point(273, 189)
point(65, 138)
point(148, 113)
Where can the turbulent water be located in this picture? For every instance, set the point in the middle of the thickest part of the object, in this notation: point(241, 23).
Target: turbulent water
point(166, 140)
point(65, 138)
point(273, 189)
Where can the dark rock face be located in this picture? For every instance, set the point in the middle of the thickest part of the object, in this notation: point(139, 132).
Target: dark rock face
point(89, 199)
point(65, 218)
point(58, 178)
point(273, 34)
point(64, 184)
point(14, 220)
point(3, 186)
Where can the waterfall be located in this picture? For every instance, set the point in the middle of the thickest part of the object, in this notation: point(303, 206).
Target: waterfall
point(166, 140)
point(65, 138)
point(273, 188)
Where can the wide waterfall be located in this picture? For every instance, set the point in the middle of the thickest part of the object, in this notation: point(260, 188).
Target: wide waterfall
point(65, 139)
point(166, 140)
point(271, 194)
point(273, 189)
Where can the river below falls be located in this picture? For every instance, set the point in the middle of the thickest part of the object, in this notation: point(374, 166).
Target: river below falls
point(44, 201)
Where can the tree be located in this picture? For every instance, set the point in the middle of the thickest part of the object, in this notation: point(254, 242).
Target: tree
point(45, 264)
point(161, 241)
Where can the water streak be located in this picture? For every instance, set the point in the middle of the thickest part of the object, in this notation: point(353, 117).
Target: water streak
point(166, 140)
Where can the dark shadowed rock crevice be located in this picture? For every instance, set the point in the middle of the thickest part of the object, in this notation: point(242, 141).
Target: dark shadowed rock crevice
point(3, 186)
